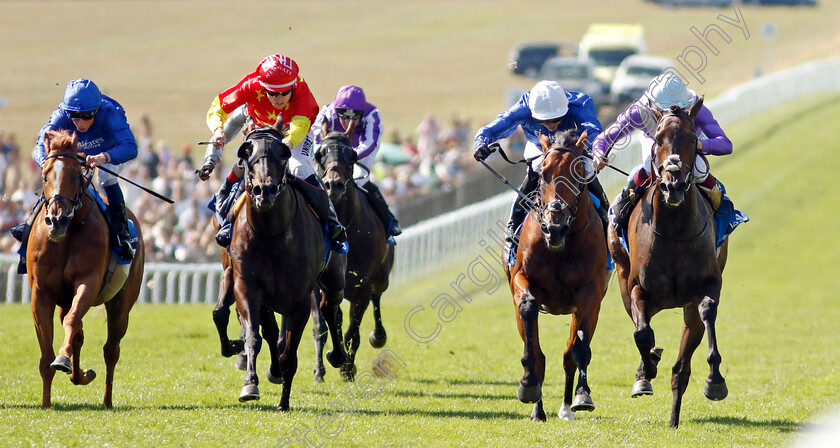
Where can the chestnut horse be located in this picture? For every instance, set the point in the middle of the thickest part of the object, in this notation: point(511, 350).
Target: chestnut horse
point(276, 257)
point(672, 260)
point(560, 268)
point(67, 259)
point(370, 258)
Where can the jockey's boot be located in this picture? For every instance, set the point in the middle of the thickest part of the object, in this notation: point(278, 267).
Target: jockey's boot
point(711, 187)
point(316, 196)
point(380, 206)
point(625, 204)
point(604, 209)
point(223, 205)
point(21, 231)
point(119, 221)
point(519, 210)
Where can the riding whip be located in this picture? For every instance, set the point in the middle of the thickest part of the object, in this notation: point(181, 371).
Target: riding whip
point(151, 192)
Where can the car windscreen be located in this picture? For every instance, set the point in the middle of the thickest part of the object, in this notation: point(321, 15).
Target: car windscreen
point(610, 58)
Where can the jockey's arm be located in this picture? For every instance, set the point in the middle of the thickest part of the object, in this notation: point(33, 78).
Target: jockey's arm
point(716, 142)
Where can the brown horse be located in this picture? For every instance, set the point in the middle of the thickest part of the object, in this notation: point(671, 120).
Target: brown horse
point(276, 257)
point(370, 258)
point(672, 260)
point(68, 256)
point(560, 268)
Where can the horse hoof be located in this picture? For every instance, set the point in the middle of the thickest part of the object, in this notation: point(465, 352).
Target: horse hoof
point(249, 393)
point(715, 391)
point(335, 358)
point(348, 372)
point(273, 379)
point(234, 347)
point(529, 394)
point(90, 375)
point(241, 361)
point(377, 340)
point(642, 387)
point(62, 364)
point(566, 413)
point(583, 402)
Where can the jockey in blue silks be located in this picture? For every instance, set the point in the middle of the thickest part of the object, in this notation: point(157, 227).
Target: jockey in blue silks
point(105, 138)
point(545, 109)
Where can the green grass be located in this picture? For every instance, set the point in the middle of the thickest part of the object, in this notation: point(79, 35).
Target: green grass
point(169, 59)
point(777, 329)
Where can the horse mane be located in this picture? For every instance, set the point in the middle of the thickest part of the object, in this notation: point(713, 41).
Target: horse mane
point(60, 141)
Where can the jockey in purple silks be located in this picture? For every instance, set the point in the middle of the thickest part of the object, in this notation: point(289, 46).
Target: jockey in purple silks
point(665, 90)
point(360, 121)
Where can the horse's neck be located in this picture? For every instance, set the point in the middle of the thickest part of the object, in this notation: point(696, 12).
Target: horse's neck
point(349, 205)
point(277, 219)
point(681, 219)
point(582, 211)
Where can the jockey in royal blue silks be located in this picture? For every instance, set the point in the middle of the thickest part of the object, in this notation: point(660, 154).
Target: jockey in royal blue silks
point(105, 138)
point(360, 121)
point(546, 109)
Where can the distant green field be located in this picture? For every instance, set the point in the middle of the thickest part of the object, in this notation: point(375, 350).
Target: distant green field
point(169, 59)
point(777, 329)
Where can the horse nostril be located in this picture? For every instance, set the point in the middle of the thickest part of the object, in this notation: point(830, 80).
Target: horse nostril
point(272, 190)
point(49, 221)
point(63, 221)
point(256, 190)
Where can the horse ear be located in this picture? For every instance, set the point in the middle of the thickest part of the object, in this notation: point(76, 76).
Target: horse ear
point(47, 143)
point(352, 155)
point(325, 128)
point(544, 142)
point(657, 114)
point(279, 125)
point(583, 140)
point(244, 151)
point(695, 108)
point(319, 155)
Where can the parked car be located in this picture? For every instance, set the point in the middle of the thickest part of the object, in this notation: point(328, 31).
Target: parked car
point(574, 74)
point(526, 58)
point(634, 75)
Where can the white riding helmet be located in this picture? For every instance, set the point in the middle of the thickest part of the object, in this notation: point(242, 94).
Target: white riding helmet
point(668, 90)
point(548, 101)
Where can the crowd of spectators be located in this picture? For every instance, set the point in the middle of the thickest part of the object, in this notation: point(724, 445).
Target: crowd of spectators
point(184, 232)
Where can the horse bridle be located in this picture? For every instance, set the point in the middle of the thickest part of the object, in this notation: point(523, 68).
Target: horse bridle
point(269, 151)
point(334, 157)
point(558, 205)
point(84, 182)
point(673, 162)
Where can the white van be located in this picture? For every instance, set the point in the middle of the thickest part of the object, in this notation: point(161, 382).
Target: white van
point(607, 44)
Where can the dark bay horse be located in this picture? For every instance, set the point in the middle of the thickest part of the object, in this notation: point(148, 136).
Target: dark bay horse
point(560, 268)
point(276, 257)
point(370, 258)
point(672, 261)
point(67, 259)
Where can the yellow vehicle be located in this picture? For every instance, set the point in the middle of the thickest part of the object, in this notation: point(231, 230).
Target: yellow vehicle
point(607, 44)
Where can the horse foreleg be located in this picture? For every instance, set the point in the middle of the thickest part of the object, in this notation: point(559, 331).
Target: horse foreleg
point(319, 334)
point(582, 329)
point(715, 388)
point(117, 310)
point(645, 342)
point(533, 360)
point(295, 324)
point(691, 337)
point(43, 312)
point(331, 310)
point(351, 336)
point(271, 334)
point(250, 320)
point(74, 335)
point(377, 337)
point(221, 315)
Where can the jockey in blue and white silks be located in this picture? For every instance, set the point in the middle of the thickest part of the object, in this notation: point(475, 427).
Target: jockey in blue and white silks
point(105, 138)
point(361, 122)
point(545, 109)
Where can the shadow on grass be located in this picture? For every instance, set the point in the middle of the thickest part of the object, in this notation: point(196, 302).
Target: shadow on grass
point(466, 382)
point(483, 415)
point(447, 395)
point(64, 407)
point(782, 426)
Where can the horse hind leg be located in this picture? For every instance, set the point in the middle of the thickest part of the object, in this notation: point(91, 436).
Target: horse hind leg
point(43, 315)
point(378, 336)
point(715, 387)
point(221, 315)
point(319, 334)
point(117, 310)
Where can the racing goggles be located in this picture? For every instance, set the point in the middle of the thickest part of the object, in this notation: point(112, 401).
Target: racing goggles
point(349, 114)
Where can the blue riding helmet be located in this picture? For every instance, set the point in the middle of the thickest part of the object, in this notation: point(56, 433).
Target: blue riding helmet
point(81, 95)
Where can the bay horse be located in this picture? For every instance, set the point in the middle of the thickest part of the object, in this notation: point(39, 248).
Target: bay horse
point(369, 259)
point(672, 260)
point(276, 257)
point(560, 268)
point(67, 261)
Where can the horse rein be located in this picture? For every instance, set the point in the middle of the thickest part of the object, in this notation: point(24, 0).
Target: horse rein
point(558, 205)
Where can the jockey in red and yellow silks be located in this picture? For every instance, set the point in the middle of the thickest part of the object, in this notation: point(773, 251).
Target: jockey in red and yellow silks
point(274, 88)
